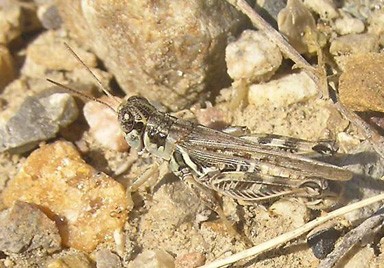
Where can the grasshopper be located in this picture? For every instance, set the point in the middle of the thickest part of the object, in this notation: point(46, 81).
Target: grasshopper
point(247, 168)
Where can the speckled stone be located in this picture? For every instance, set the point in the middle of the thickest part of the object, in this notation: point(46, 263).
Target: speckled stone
point(354, 44)
point(253, 57)
point(107, 259)
point(190, 260)
point(162, 50)
point(362, 83)
point(87, 205)
point(24, 227)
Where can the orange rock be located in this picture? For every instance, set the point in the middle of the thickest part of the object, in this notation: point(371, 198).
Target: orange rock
point(87, 205)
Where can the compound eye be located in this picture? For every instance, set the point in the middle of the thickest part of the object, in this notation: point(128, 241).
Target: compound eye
point(126, 121)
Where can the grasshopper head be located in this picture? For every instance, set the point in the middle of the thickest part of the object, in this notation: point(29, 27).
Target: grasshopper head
point(133, 116)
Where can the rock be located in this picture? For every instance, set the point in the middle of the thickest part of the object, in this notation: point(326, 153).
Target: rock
point(106, 259)
point(50, 17)
point(87, 205)
point(104, 126)
point(162, 50)
point(38, 118)
point(48, 52)
point(354, 44)
point(78, 260)
point(24, 228)
point(252, 58)
point(6, 67)
point(348, 25)
point(10, 26)
point(297, 24)
point(153, 259)
point(323, 242)
point(283, 91)
point(325, 8)
point(361, 85)
point(190, 260)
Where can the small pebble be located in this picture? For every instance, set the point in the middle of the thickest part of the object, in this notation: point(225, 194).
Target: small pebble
point(104, 126)
point(283, 91)
point(323, 242)
point(106, 259)
point(39, 118)
point(75, 260)
point(24, 227)
point(153, 259)
point(87, 205)
point(190, 260)
point(354, 44)
point(253, 57)
point(348, 25)
point(50, 18)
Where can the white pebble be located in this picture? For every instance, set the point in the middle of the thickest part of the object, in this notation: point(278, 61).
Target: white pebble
point(283, 91)
point(349, 25)
point(253, 57)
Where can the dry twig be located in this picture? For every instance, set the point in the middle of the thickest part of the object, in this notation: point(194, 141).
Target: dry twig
point(282, 239)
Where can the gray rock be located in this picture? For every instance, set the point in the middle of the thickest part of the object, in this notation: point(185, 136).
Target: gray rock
point(106, 259)
point(25, 228)
point(51, 19)
point(39, 118)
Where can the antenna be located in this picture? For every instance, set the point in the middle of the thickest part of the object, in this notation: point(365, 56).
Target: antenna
point(106, 91)
point(81, 94)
